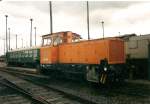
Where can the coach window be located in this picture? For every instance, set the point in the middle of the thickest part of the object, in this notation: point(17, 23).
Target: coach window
point(26, 53)
point(15, 54)
point(35, 53)
point(23, 54)
point(30, 53)
point(12, 55)
point(9, 55)
point(18, 54)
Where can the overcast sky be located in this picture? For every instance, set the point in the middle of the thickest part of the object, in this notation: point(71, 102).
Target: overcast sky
point(119, 16)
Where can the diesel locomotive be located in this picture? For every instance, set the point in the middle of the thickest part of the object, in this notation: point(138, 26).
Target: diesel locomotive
point(65, 54)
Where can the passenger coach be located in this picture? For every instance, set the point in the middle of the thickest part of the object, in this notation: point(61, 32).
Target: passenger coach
point(24, 57)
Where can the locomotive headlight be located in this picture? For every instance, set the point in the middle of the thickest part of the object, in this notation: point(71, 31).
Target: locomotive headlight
point(105, 68)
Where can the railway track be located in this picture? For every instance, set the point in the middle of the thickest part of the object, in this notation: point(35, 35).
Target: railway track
point(11, 85)
point(10, 96)
point(130, 90)
point(102, 95)
point(39, 93)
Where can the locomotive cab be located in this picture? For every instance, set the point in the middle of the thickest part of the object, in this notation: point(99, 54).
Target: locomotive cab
point(60, 38)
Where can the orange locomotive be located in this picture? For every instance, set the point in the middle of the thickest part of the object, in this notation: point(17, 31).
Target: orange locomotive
point(99, 60)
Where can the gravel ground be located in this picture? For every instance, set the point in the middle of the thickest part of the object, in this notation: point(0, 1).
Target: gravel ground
point(125, 94)
point(131, 93)
point(9, 96)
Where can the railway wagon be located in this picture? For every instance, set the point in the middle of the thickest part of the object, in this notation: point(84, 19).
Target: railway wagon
point(137, 54)
point(24, 57)
point(98, 60)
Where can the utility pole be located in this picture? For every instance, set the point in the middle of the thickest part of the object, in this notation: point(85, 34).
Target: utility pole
point(35, 35)
point(148, 60)
point(51, 17)
point(88, 20)
point(31, 33)
point(6, 34)
point(9, 37)
point(4, 46)
point(16, 41)
point(103, 28)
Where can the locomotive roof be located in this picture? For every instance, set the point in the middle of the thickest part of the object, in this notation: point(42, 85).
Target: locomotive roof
point(140, 37)
point(107, 38)
point(22, 49)
point(75, 34)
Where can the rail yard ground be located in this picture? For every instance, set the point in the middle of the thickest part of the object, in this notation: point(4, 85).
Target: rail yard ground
point(131, 92)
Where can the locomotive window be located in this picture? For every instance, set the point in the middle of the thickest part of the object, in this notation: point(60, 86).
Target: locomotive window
point(44, 41)
point(47, 41)
point(61, 41)
point(75, 40)
point(57, 41)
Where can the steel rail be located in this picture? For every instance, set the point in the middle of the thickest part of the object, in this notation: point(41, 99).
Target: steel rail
point(24, 73)
point(79, 98)
point(11, 85)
